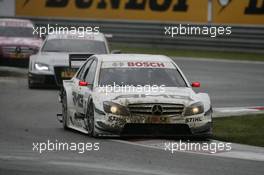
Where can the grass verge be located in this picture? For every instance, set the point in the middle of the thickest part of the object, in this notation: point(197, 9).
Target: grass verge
point(189, 53)
point(247, 129)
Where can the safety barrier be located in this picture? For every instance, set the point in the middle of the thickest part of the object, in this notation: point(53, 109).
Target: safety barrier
point(242, 39)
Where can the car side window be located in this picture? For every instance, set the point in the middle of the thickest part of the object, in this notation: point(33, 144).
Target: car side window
point(89, 77)
point(80, 70)
point(84, 67)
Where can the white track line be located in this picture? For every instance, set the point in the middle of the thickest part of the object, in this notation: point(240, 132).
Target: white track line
point(234, 111)
point(252, 153)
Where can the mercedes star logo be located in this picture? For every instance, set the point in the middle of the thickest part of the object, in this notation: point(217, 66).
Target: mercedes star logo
point(18, 50)
point(157, 109)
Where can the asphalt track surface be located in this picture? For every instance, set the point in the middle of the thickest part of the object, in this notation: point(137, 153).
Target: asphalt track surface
point(29, 116)
point(229, 83)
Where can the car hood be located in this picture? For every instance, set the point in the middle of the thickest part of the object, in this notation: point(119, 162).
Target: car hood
point(170, 95)
point(20, 41)
point(56, 58)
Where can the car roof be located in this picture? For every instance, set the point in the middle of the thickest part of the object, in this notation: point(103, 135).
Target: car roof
point(74, 35)
point(132, 57)
point(12, 22)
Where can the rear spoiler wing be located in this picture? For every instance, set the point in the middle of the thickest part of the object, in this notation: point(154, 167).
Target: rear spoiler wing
point(108, 35)
point(78, 57)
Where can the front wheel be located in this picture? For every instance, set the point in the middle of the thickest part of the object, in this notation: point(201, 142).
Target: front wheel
point(89, 120)
point(31, 85)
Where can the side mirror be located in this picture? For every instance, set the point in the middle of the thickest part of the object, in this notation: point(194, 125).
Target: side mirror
point(83, 83)
point(108, 35)
point(196, 84)
point(116, 52)
point(43, 37)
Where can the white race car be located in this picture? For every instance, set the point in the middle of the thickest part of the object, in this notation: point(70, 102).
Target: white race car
point(51, 64)
point(134, 95)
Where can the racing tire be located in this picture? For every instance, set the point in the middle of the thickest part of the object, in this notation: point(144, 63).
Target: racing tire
point(31, 85)
point(64, 111)
point(90, 121)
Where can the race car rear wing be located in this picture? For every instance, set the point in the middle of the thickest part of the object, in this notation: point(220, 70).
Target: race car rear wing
point(67, 72)
point(78, 57)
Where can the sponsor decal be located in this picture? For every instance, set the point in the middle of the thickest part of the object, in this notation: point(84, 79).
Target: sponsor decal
point(118, 64)
point(238, 12)
point(158, 10)
point(145, 64)
point(77, 99)
point(138, 64)
point(191, 120)
point(224, 11)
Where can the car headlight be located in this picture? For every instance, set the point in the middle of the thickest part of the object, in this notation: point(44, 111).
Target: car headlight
point(196, 108)
point(41, 67)
point(114, 108)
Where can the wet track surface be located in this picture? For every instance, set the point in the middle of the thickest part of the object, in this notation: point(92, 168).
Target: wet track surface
point(229, 83)
point(29, 116)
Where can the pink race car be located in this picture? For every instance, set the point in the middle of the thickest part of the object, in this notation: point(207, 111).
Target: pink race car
point(17, 41)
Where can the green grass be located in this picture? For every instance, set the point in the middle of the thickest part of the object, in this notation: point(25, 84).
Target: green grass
point(126, 48)
point(247, 129)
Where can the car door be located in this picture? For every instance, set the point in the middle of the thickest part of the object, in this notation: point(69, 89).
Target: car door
point(77, 98)
point(86, 91)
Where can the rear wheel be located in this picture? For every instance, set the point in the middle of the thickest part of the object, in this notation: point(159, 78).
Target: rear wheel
point(64, 111)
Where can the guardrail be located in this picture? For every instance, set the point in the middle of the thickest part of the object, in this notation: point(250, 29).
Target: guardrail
point(242, 39)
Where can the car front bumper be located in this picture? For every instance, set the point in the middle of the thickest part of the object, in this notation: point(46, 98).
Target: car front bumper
point(111, 125)
point(41, 79)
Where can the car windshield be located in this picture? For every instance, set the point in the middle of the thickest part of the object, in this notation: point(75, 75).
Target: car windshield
point(141, 76)
point(74, 45)
point(16, 32)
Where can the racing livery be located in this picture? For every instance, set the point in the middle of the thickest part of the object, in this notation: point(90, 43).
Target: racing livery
point(51, 64)
point(110, 96)
point(17, 41)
